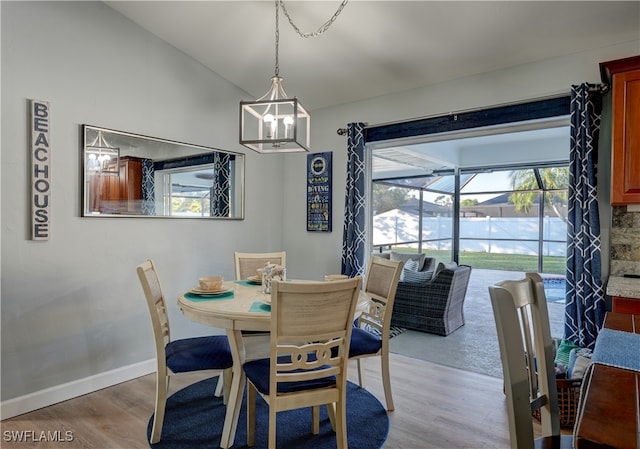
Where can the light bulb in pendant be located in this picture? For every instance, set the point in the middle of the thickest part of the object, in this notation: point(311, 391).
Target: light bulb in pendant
point(270, 125)
point(288, 123)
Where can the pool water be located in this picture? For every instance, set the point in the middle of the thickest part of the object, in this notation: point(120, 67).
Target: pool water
point(555, 289)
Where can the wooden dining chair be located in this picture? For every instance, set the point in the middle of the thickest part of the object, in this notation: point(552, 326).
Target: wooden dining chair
point(211, 353)
point(371, 336)
point(526, 349)
point(311, 324)
point(247, 263)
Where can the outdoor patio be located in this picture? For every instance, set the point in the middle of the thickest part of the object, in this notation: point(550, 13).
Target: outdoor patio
point(474, 346)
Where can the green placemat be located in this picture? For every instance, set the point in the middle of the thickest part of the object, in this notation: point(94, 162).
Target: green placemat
point(199, 298)
point(259, 306)
point(247, 283)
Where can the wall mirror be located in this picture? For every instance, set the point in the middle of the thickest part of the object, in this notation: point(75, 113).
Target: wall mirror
point(126, 175)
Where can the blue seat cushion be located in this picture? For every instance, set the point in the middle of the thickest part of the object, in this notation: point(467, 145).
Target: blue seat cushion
point(258, 372)
point(363, 342)
point(199, 353)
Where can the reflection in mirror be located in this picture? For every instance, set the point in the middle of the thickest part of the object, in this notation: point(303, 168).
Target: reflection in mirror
point(133, 175)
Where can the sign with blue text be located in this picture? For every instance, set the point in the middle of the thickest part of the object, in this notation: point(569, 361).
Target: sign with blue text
point(40, 149)
point(319, 192)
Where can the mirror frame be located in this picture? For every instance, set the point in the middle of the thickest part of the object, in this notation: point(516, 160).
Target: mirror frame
point(100, 147)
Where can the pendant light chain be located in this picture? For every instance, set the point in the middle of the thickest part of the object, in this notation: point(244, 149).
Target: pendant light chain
point(318, 32)
point(277, 71)
point(324, 27)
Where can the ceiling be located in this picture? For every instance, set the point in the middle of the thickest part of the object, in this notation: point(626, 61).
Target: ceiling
point(378, 47)
point(382, 47)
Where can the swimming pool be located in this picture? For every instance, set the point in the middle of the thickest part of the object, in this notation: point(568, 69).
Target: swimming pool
point(555, 289)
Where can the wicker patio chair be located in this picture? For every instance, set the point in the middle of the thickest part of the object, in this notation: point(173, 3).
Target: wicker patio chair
point(435, 306)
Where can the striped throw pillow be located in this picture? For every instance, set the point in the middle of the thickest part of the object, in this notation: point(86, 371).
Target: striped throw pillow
point(411, 274)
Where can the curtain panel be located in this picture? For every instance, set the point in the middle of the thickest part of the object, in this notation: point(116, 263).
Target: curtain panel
point(585, 306)
point(220, 196)
point(148, 188)
point(353, 239)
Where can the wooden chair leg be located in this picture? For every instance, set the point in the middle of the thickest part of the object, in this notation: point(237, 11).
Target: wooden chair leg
point(272, 428)
point(341, 425)
point(315, 419)
point(360, 372)
point(226, 389)
point(331, 411)
point(251, 415)
point(219, 386)
point(386, 381)
point(162, 385)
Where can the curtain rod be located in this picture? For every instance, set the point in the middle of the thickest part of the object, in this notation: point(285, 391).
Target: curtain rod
point(602, 88)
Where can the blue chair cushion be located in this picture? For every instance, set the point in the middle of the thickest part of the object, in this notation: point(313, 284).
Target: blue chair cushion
point(199, 353)
point(364, 342)
point(258, 372)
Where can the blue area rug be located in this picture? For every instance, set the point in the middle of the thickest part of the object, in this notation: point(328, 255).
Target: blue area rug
point(194, 419)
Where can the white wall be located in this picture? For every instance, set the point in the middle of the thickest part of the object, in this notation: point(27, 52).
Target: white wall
point(72, 307)
point(73, 315)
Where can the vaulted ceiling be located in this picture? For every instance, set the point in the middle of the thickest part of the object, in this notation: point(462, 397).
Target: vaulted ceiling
point(381, 47)
point(378, 47)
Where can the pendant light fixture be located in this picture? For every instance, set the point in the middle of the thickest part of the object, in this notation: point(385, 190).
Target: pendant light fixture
point(275, 123)
point(102, 157)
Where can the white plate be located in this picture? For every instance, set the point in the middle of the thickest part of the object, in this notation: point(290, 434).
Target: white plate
point(199, 291)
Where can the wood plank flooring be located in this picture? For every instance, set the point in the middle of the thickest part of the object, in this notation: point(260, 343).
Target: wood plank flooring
point(437, 407)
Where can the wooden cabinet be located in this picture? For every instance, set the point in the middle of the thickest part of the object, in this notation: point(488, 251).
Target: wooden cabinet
point(624, 77)
point(119, 193)
point(131, 185)
point(625, 305)
point(625, 294)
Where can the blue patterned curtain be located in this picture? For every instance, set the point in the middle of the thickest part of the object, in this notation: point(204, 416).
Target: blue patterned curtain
point(585, 307)
point(148, 188)
point(353, 240)
point(220, 190)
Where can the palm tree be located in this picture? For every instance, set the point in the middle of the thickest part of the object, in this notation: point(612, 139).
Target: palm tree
point(552, 181)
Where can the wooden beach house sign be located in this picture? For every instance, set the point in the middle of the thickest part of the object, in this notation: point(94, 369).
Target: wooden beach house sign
point(40, 148)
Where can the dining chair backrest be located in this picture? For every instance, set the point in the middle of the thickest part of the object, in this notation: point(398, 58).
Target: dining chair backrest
point(157, 306)
point(312, 318)
point(311, 324)
point(247, 263)
point(380, 285)
point(527, 353)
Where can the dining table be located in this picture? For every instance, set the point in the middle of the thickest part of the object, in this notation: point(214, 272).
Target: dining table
point(608, 414)
point(244, 311)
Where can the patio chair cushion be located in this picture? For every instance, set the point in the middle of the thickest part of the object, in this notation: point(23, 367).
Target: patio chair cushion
point(405, 257)
point(425, 263)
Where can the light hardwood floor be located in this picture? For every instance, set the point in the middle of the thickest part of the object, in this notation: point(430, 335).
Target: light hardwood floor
point(436, 408)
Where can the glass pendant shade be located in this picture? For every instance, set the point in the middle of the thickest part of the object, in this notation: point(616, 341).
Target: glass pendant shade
point(275, 123)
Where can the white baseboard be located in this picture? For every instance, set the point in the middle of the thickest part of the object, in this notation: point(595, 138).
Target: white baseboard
point(53, 395)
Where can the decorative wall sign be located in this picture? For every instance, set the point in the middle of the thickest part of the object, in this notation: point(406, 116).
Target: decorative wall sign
point(40, 121)
point(319, 192)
